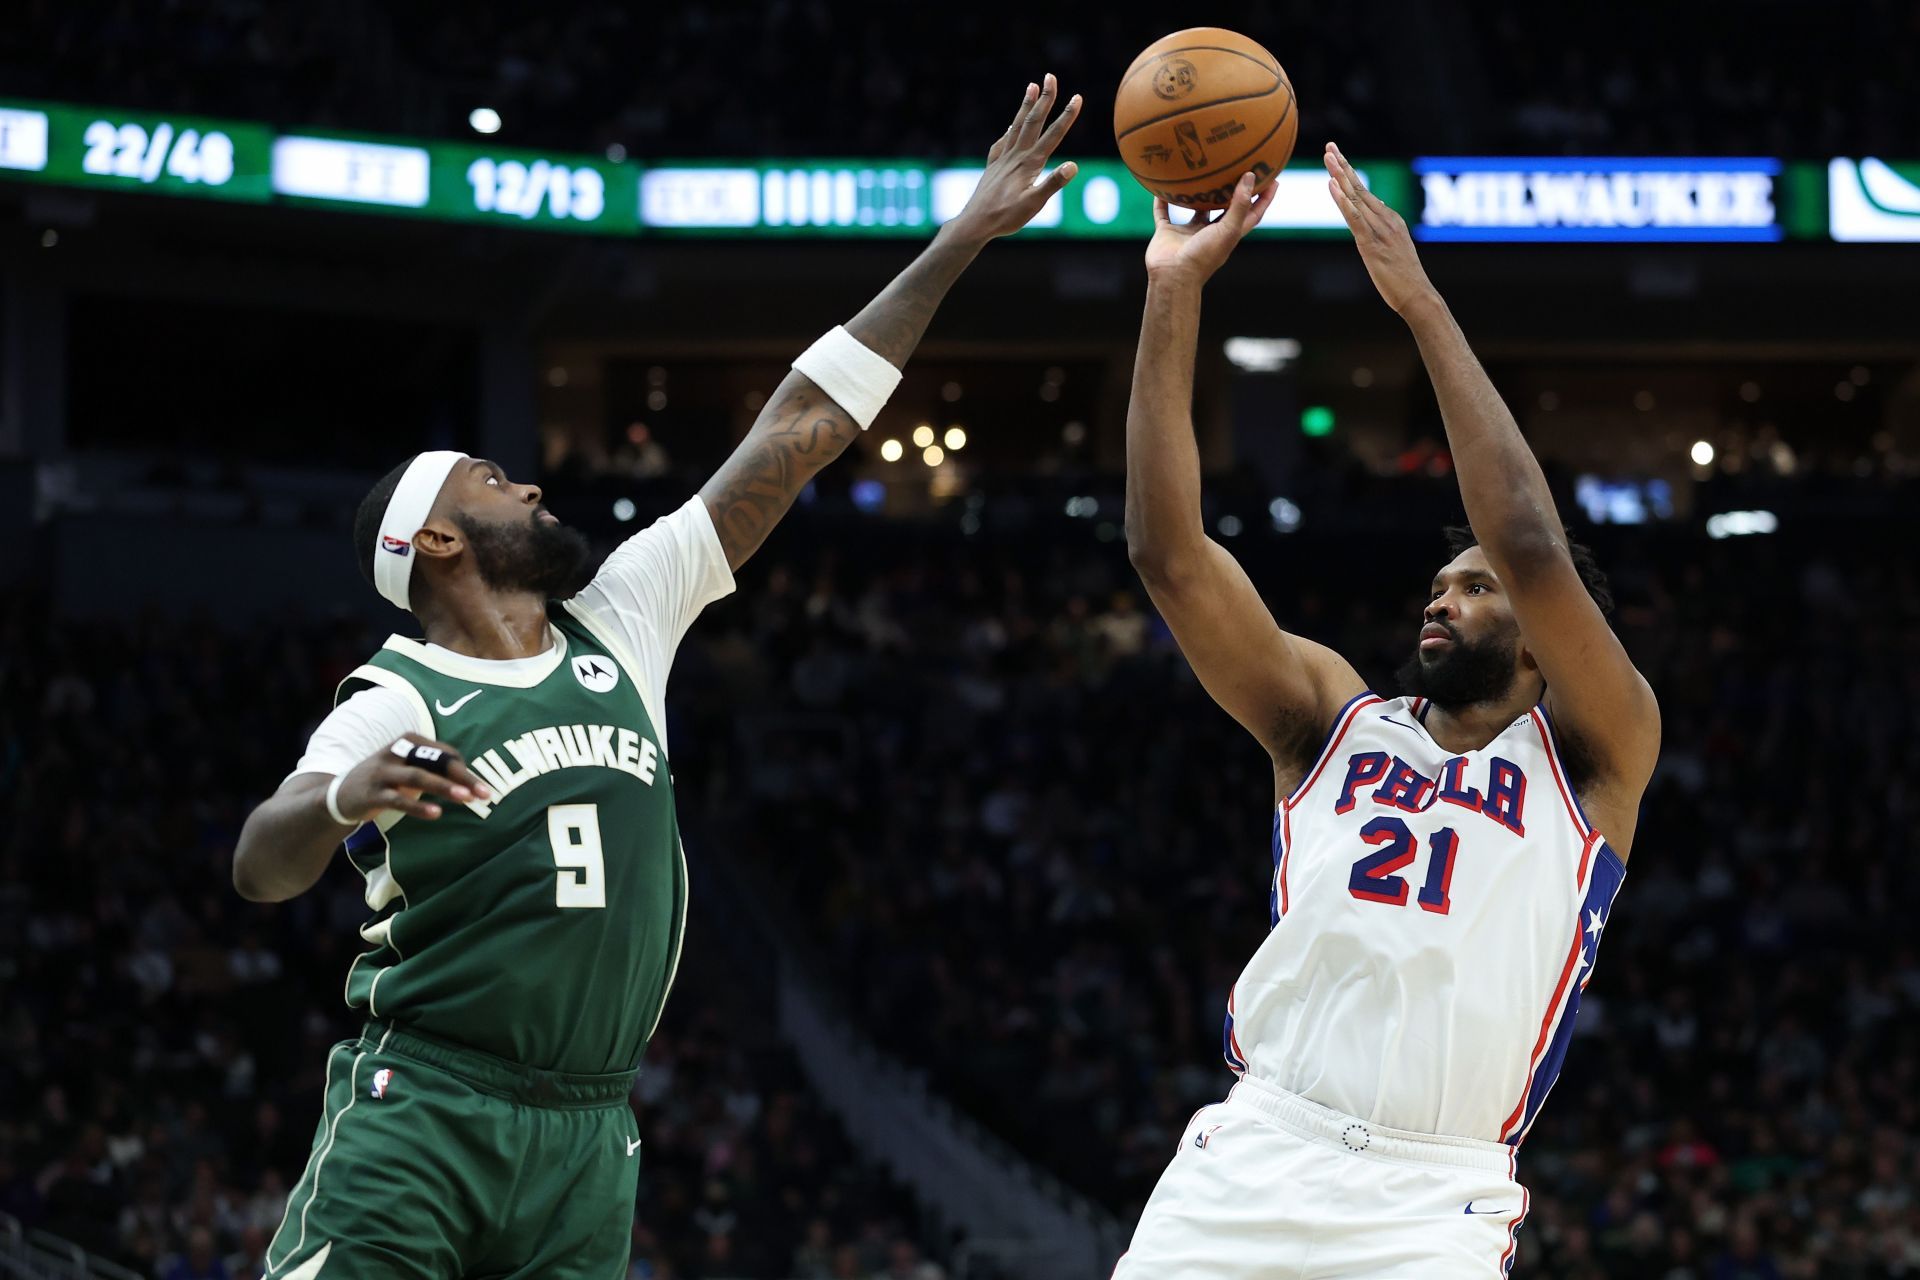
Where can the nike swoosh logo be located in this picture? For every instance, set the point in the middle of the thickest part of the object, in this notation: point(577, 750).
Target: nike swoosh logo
point(633, 1146)
point(1402, 724)
point(458, 703)
point(1472, 1210)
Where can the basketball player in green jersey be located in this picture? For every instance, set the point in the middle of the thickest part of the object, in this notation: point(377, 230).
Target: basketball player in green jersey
point(506, 783)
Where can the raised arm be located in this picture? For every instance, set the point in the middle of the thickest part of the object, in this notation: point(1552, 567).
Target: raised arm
point(1284, 690)
point(1593, 689)
point(801, 429)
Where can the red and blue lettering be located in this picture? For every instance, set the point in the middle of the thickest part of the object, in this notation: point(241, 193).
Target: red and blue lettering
point(1453, 788)
point(1373, 878)
point(1405, 788)
point(1398, 785)
point(1506, 797)
point(1363, 769)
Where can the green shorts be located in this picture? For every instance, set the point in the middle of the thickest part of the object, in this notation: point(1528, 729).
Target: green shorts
point(435, 1162)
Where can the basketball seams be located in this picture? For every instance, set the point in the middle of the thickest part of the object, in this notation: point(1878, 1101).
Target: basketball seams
point(1162, 56)
point(1251, 149)
point(1189, 109)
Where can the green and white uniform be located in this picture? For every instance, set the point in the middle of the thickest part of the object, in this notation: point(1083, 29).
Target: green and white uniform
point(521, 947)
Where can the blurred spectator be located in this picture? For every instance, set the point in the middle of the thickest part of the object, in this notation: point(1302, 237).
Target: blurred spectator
point(198, 1262)
point(794, 78)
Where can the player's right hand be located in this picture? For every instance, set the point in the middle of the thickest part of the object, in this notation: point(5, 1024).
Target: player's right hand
point(1381, 235)
point(385, 781)
point(1015, 185)
point(1195, 250)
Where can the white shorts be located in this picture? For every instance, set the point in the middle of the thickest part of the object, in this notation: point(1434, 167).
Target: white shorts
point(1270, 1186)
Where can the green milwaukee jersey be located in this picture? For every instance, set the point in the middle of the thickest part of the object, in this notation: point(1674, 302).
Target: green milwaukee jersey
point(543, 924)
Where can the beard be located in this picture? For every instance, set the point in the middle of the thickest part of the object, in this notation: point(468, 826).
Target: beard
point(548, 560)
point(1463, 674)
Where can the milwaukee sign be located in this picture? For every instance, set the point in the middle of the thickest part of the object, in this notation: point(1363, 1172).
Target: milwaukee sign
point(1497, 198)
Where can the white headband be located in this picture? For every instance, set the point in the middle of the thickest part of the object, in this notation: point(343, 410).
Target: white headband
point(406, 512)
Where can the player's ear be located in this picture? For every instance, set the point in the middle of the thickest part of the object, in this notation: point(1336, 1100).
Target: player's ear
point(439, 538)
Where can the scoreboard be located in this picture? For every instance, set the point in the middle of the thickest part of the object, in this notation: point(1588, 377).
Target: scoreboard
point(1525, 200)
point(179, 155)
point(108, 149)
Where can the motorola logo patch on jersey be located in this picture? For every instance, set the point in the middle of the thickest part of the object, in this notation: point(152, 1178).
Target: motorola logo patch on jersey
point(596, 673)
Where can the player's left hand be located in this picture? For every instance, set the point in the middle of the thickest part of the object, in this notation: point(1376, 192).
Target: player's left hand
point(1381, 235)
point(1015, 184)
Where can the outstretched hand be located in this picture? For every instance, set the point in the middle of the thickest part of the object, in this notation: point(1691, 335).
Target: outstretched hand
point(1015, 184)
point(1196, 249)
point(1381, 235)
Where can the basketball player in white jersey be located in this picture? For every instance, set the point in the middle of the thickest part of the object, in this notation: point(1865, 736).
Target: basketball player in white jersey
point(1444, 860)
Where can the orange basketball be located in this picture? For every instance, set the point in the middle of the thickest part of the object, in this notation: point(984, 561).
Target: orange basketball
point(1199, 108)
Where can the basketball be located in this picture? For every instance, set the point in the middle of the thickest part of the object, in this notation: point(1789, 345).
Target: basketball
point(1199, 108)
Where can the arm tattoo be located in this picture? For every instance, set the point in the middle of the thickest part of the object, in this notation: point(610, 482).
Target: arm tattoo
point(801, 429)
point(798, 433)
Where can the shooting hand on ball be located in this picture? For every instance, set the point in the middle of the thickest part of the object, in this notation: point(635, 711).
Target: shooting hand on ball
point(1195, 250)
point(1381, 235)
point(1015, 184)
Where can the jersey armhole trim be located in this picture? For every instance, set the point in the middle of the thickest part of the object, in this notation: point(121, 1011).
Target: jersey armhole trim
point(614, 645)
point(400, 684)
point(1544, 724)
point(1338, 730)
point(673, 966)
point(423, 722)
point(1514, 1129)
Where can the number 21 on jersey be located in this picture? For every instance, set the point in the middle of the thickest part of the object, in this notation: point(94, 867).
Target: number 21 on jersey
point(1395, 848)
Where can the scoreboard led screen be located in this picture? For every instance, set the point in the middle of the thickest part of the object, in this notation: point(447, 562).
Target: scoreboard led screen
point(107, 149)
point(135, 151)
point(1459, 198)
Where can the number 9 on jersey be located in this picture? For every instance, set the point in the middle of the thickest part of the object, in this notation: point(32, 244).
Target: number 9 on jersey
point(574, 830)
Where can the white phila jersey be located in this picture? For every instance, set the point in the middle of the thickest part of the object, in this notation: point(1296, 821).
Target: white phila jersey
point(1435, 918)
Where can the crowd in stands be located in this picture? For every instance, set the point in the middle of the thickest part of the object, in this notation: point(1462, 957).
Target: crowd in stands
point(998, 814)
point(1785, 78)
point(1678, 79)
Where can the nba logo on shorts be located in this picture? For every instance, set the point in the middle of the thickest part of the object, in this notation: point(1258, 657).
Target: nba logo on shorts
point(399, 546)
point(1205, 1136)
point(381, 1079)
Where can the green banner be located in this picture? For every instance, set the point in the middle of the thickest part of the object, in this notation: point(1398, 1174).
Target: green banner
point(1453, 198)
point(848, 198)
point(110, 149)
point(865, 198)
point(458, 182)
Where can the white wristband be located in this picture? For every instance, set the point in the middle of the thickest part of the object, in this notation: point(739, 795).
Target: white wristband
point(333, 802)
point(858, 378)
